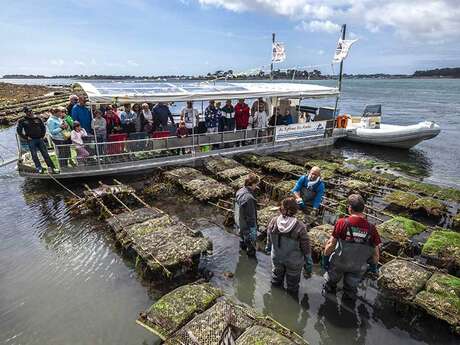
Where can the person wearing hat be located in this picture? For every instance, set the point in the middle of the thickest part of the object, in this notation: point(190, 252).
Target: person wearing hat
point(32, 130)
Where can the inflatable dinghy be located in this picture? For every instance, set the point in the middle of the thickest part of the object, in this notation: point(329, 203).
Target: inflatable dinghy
point(368, 129)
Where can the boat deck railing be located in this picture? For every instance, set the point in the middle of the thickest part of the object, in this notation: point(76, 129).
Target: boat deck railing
point(128, 150)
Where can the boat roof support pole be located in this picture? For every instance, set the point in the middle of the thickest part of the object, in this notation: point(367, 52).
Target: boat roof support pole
point(344, 30)
point(95, 136)
point(271, 65)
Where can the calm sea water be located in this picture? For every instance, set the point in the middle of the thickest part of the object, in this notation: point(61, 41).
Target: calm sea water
point(62, 281)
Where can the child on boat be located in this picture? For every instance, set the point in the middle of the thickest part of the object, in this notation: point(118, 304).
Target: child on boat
point(77, 139)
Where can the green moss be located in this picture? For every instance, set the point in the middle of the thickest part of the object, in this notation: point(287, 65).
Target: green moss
point(346, 170)
point(401, 199)
point(327, 174)
point(374, 178)
point(323, 164)
point(431, 206)
point(258, 335)
point(451, 194)
point(179, 306)
point(443, 244)
point(363, 163)
point(456, 221)
point(408, 168)
point(416, 186)
point(441, 298)
point(355, 184)
point(400, 229)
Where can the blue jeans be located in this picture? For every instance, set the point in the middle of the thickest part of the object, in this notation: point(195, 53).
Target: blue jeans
point(39, 145)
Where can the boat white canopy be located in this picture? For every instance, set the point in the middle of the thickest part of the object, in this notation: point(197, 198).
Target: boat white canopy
point(152, 92)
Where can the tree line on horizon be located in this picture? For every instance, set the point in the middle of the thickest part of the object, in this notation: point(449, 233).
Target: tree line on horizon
point(230, 75)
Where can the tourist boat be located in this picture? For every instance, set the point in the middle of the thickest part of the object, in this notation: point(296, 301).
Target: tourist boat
point(368, 129)
point(123, 154)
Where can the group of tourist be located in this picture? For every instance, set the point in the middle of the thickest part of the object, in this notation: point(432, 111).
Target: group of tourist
point(351, 251)
point(70, 125)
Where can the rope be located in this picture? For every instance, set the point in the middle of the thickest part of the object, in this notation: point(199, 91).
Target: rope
point(67, 189)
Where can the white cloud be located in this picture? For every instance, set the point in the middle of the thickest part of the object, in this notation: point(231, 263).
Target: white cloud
point(319, 26)
point(429, 20)
point(132, 63)
point(57, 62)
point(79, 63)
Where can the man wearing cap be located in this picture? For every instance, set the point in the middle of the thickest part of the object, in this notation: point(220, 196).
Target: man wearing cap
point(32, 130)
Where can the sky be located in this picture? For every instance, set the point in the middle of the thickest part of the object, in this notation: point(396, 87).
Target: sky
point(150, 37)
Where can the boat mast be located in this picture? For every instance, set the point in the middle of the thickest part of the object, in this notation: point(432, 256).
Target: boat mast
point(271, 66)
point(344, 29)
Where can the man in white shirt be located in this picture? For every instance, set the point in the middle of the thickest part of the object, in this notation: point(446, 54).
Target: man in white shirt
point(190, 116)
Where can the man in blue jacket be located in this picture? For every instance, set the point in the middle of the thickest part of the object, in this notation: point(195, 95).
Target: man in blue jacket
point(81, 114)
point(309, 190)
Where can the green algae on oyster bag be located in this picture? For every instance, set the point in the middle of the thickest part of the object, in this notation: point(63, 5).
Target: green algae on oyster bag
point(416, 186)
point(456, 221)
point(218, 164)
point(208, 327)
point(362, 163)
point(318, 237)
point(202, 187)
point(431, 206)
point(258, 335)
point(253, 159)
point(375, 178)
point(265, 215)
point(353, 184)
point(283, 167)
point(282, 189)
point(179, 306)
point(125, 219)
point(233, 173)
point(450, 194)
point(403, 279)
point(444, 246)
point(441, 298)
point(396, 233)
point(400, 199)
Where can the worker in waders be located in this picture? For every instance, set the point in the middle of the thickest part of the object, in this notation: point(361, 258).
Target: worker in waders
point(353, 245)
point(289, 245)
point(309, 191)
point(246, 214)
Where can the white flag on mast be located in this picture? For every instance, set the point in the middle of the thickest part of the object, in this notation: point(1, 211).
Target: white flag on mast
point(341, 52)
point(278, 52)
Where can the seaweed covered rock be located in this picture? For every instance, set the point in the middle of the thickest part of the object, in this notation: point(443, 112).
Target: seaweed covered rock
point(441, 299)
point(430, 206)
point(396, 233)
point(442, 248)
point(201, 187)
point(257, 335)
point(176, 308)
point(400, 199)
point(323, 164)
point(403, 279)
point(318, 238)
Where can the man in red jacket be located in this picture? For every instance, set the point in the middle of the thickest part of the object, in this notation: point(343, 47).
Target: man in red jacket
point(241, 114)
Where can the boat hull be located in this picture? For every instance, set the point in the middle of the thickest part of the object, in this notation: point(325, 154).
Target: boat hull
point(403, 137)
point(135, 167)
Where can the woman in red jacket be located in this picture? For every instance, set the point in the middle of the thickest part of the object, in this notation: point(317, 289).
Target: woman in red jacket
point(241, 115)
